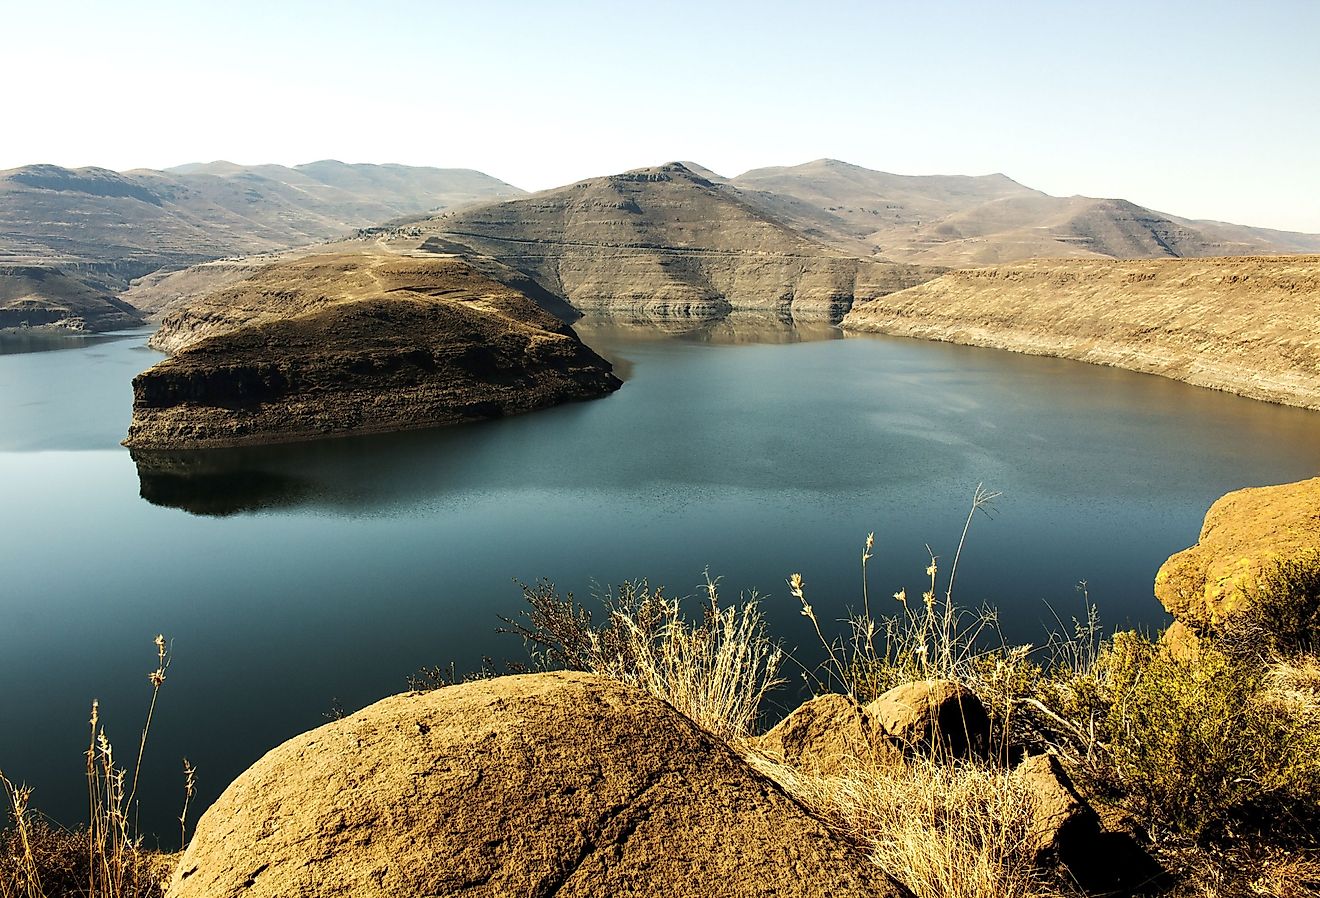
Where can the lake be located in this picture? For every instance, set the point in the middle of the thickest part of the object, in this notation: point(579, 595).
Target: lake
point(295, 580)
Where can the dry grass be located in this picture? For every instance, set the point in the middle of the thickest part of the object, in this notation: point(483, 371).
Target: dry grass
point(943, 830)
point(105, 858)
point(715, 670)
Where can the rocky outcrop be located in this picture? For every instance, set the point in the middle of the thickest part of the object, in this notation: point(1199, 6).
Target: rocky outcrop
point(667, 243)
point(355, 343)
point(546, 784)
point(937, 717)
point(39, 296)
point(830, 735)
point(1245, 325)
point(1245, 533)
point(833, 735)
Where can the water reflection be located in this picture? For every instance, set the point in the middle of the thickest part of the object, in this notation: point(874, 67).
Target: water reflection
point(21, 340)
point(735, 327)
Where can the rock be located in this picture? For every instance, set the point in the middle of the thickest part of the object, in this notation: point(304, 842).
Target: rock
point(560, 784)
point(351, 343)
point(1068, 832)
point(1063, 821)
point(1244, 533)
point(830, 735)
point(928, 714)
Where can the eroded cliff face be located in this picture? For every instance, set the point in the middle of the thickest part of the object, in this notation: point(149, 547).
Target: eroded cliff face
point(1245, 533)
point(355, 343)
point(665, 243)
point(1247, 325)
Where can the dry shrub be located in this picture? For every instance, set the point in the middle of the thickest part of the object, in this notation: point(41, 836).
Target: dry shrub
point(106, 858)
point(944, 830)
point(715, 671)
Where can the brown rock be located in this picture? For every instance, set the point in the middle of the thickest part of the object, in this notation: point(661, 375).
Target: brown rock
point(830, 736)
point(1063, 821)
point(1244, 532)
point(934, 715)
point(353, 343)
point(546, 784)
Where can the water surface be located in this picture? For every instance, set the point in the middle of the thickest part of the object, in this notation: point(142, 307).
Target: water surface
point(294, 579)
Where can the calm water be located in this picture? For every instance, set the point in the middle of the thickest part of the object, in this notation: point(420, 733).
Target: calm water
point(293, 579)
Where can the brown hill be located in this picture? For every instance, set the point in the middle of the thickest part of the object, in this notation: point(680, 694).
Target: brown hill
point(36, 296)
point(123, 225)
point(665, 243)
point(344, 343)
point(1247, 325)
point(967, 221)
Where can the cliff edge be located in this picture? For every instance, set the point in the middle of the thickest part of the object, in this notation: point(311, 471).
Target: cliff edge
point(352, 343)
point(1247, 325)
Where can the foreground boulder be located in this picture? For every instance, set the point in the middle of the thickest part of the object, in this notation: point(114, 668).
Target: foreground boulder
point(934, 716)
point(830, 735)
point(1067, 832)
point(352, 343)
point(546, 784)
point(1245, 533)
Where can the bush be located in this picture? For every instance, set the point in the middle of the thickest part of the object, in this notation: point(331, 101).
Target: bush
point(716, 671)
point(1206, 746)
point(1282, 616)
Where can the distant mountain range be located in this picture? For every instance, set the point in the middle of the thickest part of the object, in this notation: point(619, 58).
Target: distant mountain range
point(117, 226)
point(961, 221)
point(675, 240)
point(664, 243)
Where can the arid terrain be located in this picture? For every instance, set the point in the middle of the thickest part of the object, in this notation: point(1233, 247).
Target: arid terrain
point(1247, 325)
point(960, 221)
point(355, 343)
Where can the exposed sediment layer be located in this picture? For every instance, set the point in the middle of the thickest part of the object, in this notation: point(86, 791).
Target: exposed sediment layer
point(1247, 325)
point(355, 343)
point(666, 243)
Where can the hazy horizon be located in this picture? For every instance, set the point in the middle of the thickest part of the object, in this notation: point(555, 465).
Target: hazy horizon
point(1194, 109)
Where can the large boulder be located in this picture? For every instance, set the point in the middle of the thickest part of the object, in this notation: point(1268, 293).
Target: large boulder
point(830, 735)
point(938, 717)
point(1245, 533)
point(545, 784)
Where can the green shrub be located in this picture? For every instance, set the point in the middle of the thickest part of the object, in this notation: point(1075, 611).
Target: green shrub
point(1282, 616)
point(1206, 746)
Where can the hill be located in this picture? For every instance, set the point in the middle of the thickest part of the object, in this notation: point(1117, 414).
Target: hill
point(119, 226)
point(961, 221)
point(34, 296)
point(340, 343)
point(1247, 325)
point(665, 243)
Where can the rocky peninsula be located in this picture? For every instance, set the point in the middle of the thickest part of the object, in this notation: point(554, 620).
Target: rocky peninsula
point(1246, 325)
point(352, 343)
point(45, 296)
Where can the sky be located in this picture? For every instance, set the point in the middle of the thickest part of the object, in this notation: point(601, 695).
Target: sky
point(1202, 109)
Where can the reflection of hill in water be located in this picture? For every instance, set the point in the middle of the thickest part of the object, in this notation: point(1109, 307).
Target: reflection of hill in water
point(350, 474)
point(734, 327)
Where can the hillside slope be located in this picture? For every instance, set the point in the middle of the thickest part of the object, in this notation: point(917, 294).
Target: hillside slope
point(962, 221)
point(34, 296)
point(123, 225)
point(1247, 325)
point(666, 243)
point(342, 343)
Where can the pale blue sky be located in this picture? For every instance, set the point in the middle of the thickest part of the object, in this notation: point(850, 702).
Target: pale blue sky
point(1209, 109)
